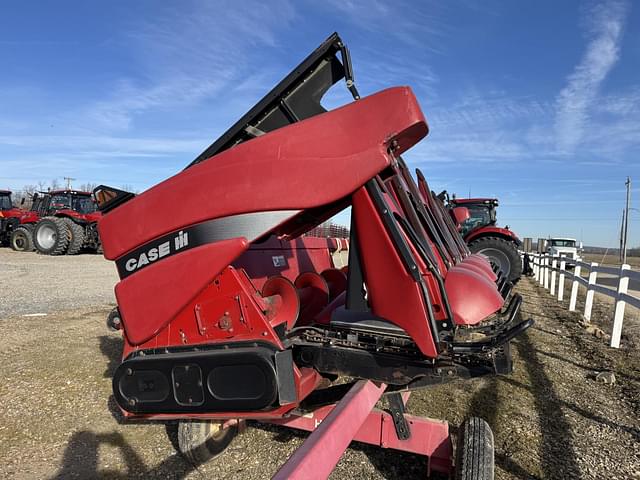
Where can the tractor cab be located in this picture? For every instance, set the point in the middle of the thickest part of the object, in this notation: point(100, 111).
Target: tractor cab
point(72, 202)
point(482, 213)
point(5, 200)
point(7, 210)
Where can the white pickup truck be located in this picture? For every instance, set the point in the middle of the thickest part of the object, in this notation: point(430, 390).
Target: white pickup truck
point(564, 247)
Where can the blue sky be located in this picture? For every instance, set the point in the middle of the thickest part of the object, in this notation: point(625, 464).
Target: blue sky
point(535, 102)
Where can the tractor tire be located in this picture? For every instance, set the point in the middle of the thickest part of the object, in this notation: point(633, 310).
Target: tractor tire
point(201, 441)
point(502, 253)
point(51, 236)
point(475, 451)
point(77, 237)
point(21, 239)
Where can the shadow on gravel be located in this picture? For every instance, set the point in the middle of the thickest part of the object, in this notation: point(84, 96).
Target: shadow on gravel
point(485, 404)
point(390, 463)
point(111, 348)
point(557, 455)
point(582, 412)
point(81, 460)
point(562, 359)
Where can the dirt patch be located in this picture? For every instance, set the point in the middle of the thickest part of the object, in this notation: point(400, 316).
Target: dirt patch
point(551, 419)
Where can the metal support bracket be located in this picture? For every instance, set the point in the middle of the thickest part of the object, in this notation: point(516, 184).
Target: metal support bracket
point(397, 411)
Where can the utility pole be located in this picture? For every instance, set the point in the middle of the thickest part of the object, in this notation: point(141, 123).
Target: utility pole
point(621, 236)
point(69, 180)
point(626, 222)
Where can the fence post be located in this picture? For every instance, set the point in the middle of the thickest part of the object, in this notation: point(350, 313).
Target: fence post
point(618, 315)
point(561, 281)
point(546, 273)
point(588, 303)
point(536, 269)
point(574, 288)
point(542, 260)
point(554, 264)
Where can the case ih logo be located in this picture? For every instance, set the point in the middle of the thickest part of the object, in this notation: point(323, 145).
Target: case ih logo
point(141, 259)
point(247, 225)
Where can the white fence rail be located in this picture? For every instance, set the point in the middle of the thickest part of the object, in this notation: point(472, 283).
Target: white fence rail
point(547, 270)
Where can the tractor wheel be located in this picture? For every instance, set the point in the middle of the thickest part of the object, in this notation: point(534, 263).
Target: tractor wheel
point(201, 441)
point(77, 237)
point(502, 253)
point(21, 239)
point(474, 451)
point(51, 236)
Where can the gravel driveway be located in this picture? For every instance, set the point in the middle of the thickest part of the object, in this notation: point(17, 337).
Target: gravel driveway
point(32, 284)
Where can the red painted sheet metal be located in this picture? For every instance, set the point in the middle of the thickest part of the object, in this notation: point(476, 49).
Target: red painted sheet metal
point(472, 296)
point(149, 299)
point(320, 453)
point(307, 164)
point(392, 292)
point(488, 231)
point(482, 263)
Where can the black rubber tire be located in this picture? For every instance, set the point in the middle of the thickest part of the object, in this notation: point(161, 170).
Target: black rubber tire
point(21, 239)
point(114, 320)
point(59, 240)
point(76, 240)
point(475, 451)
point(201, 441)
point(502, 252)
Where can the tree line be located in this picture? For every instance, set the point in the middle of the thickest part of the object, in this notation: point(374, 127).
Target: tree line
point(23, 198)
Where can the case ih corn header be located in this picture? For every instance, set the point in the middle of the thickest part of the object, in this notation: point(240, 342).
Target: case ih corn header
point(228, 314)
point(483, 236)
point(60, 222)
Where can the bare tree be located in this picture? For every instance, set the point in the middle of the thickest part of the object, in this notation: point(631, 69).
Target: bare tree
point(88, 187)
point(23, 198)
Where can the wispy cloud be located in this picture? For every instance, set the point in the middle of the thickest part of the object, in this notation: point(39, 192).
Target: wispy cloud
point(576, 100)
point(404, 20)
point(104, 144)
point(188, 62)
point(188, 54)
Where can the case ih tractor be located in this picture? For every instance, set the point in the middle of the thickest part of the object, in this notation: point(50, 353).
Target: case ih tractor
point(481, 233)
point(228, 313)
point(9, 217)
point(59, 222)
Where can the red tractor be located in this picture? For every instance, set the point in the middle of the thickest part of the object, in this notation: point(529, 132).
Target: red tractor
point(59, 222)
point(9, 217)
point(478, 227)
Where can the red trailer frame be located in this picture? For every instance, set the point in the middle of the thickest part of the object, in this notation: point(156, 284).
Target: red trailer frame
point(354, 418)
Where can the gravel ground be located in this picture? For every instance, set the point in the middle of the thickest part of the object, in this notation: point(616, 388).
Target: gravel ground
point(551, 419)
point(32, 283)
